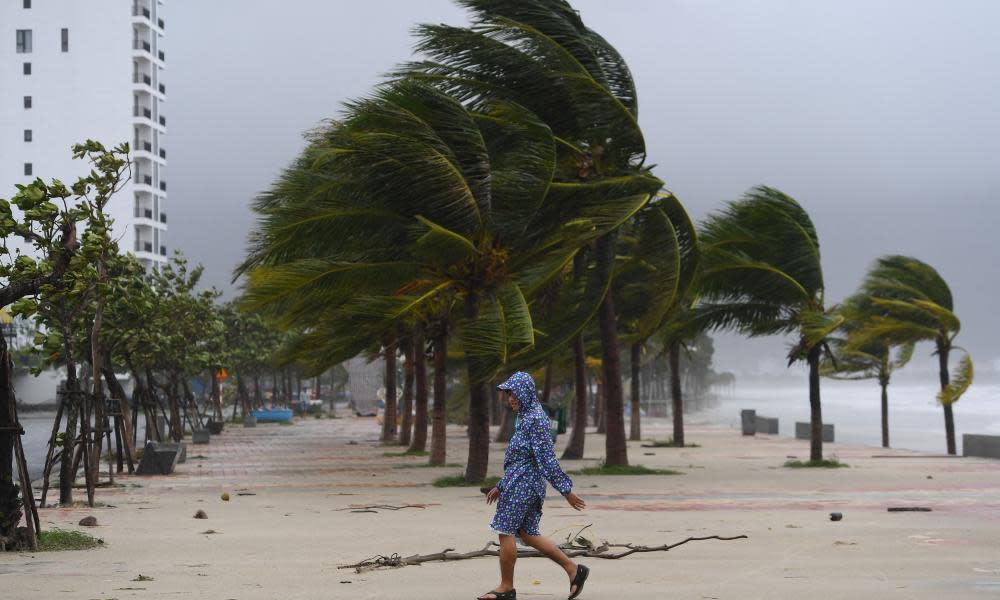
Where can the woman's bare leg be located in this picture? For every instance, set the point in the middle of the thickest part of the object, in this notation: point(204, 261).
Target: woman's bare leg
point(508, 556)
point(553, 552)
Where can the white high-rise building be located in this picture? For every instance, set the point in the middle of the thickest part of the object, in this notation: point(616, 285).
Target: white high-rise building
point(72, 70)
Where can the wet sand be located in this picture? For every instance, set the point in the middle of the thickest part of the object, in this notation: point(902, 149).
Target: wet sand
point(285, 537)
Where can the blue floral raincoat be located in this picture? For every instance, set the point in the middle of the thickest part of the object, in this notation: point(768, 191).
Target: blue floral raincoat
point(530, 461)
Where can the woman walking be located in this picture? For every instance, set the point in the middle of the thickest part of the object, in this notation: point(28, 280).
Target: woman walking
point(529, 461)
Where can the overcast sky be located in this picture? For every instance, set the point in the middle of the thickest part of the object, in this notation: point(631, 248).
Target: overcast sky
point(881, 117)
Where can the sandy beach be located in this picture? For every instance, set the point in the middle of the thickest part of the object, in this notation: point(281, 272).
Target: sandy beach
point(289, 524)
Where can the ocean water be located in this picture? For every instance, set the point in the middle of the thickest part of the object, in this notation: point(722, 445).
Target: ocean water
point(916, 420)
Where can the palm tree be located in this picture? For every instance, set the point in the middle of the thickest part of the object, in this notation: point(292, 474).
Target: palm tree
point(653, 284)
point(540, 55)
point(916, 305)
point(858, 356)
point(761, 275)
point(415, 205)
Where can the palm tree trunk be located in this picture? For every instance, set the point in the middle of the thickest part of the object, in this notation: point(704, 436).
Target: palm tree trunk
point(479, 416)
point(949, 417)
point(635, 432)
point(677, 401)
point(419, 443)
point(438, 431)
point(616, 449)
point(599, 410)
point(815, 409)
point(389, 417)
point(574, 449)
point(407, 421)
point(885, 412)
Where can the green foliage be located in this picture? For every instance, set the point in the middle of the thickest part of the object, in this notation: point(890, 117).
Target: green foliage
point(459, 481)
point(816, 464)
point(761, 272)
point(55, 540)
point(604, 469)
point(908, 301)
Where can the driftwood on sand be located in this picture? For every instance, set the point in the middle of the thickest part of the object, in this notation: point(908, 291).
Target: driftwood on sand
point(573, 547)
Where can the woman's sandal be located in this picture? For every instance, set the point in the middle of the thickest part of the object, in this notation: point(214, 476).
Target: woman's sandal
point(582, 572)
point(508, 595)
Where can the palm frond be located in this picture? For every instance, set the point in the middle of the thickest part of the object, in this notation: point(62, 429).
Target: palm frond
point(961, 379)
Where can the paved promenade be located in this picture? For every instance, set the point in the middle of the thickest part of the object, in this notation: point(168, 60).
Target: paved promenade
point(289, 524)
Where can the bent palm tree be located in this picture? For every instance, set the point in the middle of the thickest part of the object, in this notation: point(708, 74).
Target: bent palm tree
point(857, 356)
point(762, 275)
point(916, 305)
point(540, 55)
point(654, 281)
point(414, 204)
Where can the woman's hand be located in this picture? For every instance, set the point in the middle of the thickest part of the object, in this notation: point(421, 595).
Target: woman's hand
point(492, 495)
point(575, 501)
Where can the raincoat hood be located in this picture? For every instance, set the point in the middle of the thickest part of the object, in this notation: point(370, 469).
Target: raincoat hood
point(523, 387)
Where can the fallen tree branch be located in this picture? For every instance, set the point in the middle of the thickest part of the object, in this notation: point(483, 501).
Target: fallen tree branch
point(577, 547)
point(378, 507)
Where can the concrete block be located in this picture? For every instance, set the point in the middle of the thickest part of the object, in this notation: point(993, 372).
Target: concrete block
point(767, 425)
point(215, 427)
point(158, 459)
point(984, 446)
point(200, 436)
point(181, 447)
point(748, 417)
point(803, 431)
point(249, 421)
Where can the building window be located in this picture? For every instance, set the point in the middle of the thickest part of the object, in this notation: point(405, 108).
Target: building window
point(27, 102)
point(27, 68)
point(27, 135)
point(23, 41)
point(27, 3)
point(27, 168)
point(65, 40)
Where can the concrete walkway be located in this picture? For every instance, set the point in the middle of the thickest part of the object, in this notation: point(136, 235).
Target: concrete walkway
point(289, 524)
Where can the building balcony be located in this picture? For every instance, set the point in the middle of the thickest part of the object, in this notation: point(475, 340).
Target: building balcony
point(141, 11)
